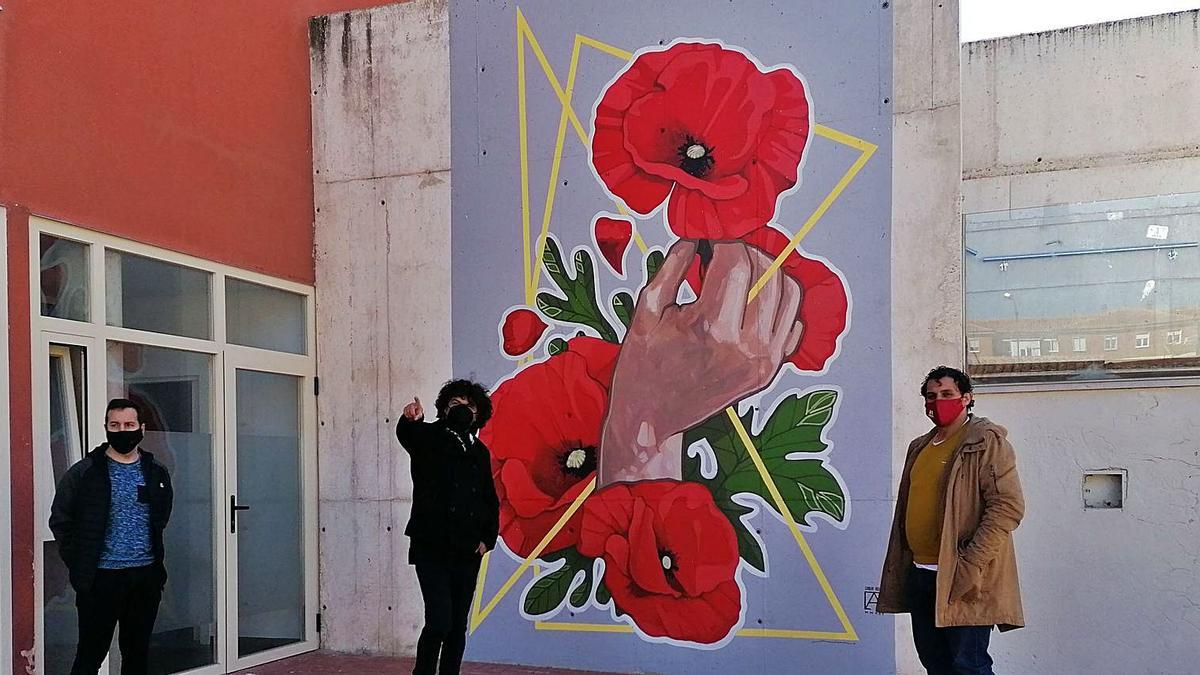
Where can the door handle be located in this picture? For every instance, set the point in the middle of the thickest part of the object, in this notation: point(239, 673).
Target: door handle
point(234, 507)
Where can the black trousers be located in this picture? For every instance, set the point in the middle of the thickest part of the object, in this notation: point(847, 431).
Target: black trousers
point(447, 586)
point(127, 597)
point(954, 650)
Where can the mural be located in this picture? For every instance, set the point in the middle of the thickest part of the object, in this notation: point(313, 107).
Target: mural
point(667, 355)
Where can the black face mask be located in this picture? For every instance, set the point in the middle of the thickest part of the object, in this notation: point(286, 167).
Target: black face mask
point(460, 418)
point(124, 442)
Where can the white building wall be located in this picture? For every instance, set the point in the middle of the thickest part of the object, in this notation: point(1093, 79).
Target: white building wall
point(1082, 114)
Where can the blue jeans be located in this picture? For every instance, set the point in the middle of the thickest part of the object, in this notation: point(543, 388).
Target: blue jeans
point(955, 650)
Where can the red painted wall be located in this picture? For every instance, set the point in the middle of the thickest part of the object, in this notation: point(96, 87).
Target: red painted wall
point(184, 125)
point(181, 125)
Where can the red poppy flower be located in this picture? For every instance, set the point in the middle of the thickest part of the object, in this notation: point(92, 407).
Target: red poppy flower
point(705, 125)
point(543, 436)
point(670, 558)
point(823, 309)
point(613, 236)
point(521, 331)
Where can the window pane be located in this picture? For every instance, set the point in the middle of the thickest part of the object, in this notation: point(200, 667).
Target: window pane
point(68, 422)
point(157, 296)
point(1119, 281)
point(64, 278)
point(174, 390)
point(268, 318)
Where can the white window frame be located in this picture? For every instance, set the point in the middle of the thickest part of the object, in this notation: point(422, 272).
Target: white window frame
point(1080, 344)
point(973, 345)
point(1175, 337)
point(1051, 345)
point(1141, 341)
point(95, 334)
point(1115, 343)
point(6, 614)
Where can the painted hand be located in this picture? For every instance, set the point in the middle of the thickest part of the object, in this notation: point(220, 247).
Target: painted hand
point(481, 549)
point(680, 364)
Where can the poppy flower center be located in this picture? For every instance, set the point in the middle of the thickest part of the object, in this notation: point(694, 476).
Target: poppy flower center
point(578, 462)
point(695, 157)
point(670, 567)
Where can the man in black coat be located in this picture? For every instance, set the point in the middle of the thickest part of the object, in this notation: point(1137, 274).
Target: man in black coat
point(455, 516)
point(108, 517)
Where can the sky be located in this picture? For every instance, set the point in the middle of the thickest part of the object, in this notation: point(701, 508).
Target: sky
point(984, 19)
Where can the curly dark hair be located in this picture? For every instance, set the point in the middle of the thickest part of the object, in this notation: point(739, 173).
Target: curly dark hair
point(473, 391)
point(961, 380)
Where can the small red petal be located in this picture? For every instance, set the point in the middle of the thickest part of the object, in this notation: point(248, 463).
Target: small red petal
point(523, 329)
point(613, 236)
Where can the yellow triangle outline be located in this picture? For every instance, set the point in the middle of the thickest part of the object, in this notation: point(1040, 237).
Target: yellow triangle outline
point(525, 35)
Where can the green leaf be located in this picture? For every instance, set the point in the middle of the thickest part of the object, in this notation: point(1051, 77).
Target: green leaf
point(577, 304)
point(748, 546)
point(583, 592)
point(550, 305)
point(623, 307)
point(552, 261)
point(797, 425)
point(548, 591)
point(654, 262)
point(807, 485)
point(723, 440)
point(583, 266)
point(556, 346)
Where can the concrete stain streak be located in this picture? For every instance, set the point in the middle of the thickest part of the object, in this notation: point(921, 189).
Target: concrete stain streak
point(318, 37)
point(347, 41)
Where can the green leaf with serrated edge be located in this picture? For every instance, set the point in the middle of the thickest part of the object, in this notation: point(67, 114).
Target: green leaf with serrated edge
point(797, 425)
point(579, 306)
point(582, 592)
point(623, 307)
point(548, 591)
point(556, 346)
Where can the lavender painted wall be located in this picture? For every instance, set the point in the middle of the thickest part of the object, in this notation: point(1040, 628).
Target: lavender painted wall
point(842, 54)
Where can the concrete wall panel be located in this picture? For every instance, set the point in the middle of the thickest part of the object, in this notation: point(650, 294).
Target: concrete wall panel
point(1076, 97)
point(381, 138)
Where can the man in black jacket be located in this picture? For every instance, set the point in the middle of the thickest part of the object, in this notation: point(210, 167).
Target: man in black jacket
point(108, 517)
point(455, 516)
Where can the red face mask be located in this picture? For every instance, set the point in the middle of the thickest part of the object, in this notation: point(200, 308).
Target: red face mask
point(944, 411)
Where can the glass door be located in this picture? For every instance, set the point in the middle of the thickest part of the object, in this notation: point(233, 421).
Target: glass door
point(174, 390)
point(62, 441)
point(271, 515)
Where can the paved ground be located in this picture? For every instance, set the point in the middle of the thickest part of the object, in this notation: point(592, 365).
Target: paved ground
point(326, 663)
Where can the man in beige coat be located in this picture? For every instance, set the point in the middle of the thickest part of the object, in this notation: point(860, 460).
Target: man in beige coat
point(950, 561)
